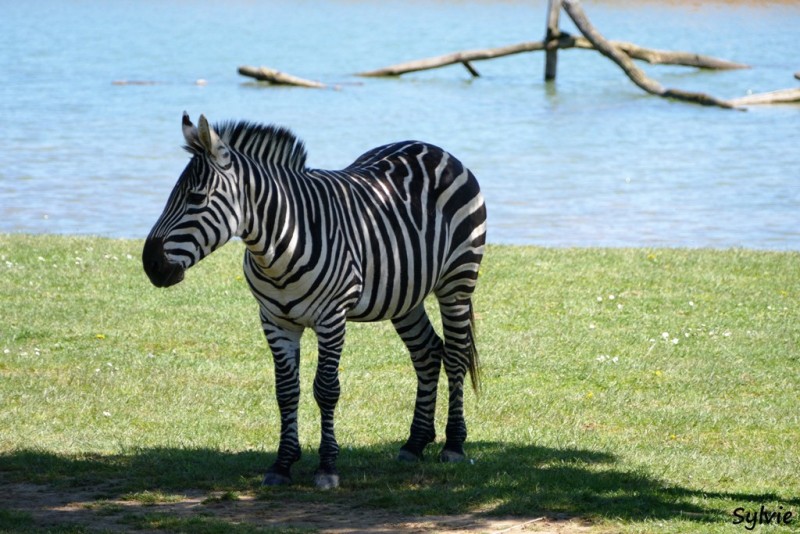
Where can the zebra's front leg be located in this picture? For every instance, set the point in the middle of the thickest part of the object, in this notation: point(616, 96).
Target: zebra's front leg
point(426, 348)
point(326, 392)
point(285, 346)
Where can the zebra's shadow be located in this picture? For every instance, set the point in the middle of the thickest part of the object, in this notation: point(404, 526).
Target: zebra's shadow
point(501, 479)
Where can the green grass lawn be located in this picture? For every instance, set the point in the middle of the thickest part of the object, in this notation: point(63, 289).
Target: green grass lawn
point(639, 389)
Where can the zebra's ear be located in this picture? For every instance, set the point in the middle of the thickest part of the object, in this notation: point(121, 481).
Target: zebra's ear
point(212, 143)
point(189, 131)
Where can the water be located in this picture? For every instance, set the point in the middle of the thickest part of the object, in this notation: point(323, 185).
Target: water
point(590, 161)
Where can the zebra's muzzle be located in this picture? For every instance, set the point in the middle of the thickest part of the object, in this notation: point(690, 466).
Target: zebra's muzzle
point(161, 271)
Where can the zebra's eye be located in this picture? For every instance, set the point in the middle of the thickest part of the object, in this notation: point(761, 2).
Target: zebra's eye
point(195, 198)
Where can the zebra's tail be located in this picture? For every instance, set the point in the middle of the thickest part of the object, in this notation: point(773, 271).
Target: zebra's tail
point(472, 354)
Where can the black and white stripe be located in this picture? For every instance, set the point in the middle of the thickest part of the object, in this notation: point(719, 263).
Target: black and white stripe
point(365, 243)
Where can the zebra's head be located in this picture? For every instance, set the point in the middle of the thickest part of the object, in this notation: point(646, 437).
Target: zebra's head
point(203, 211)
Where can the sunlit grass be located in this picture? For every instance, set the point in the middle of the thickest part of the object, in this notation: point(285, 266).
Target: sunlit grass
point(644, 389)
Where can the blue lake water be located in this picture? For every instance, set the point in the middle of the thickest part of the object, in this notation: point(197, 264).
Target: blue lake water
point(588, 161)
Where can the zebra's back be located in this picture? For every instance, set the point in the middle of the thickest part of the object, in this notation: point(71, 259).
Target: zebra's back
point(420, 212)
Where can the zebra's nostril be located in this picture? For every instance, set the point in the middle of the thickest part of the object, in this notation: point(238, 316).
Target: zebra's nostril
point(153, 257)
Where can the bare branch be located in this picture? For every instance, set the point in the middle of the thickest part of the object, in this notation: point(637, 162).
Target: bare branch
point(266, 74)
point(636, 75)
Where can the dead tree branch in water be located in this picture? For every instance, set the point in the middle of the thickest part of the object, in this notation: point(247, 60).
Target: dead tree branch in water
point(451, 59)
point(621, 52)
point(666, 57)
point(781, 96)
point(563, 41)
point(266, 74)
point(637, 76)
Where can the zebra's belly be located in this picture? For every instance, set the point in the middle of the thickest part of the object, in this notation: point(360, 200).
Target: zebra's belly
point(382, 298)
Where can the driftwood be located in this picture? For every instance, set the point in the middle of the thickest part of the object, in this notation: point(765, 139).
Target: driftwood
point(463, 57)
point(563, 41)
point(133, 82)
point(637, 76)
point(666, 57)
point(782, 96)
point(621, 52)
point(266, 74)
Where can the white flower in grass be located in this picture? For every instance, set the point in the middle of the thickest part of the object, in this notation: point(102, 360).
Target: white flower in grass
point(675, 340)
point(603, 358)
point(664, 335)
point(106, 414)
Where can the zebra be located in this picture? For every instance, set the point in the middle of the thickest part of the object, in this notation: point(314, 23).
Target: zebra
point(322, 247)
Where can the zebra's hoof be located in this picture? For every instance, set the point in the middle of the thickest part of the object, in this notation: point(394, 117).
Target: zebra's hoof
point(326, 481)
point(448, 456)
point(276, 479)
point(408, 457)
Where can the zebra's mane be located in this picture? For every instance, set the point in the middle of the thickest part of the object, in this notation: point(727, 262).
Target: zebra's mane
point(265, 143)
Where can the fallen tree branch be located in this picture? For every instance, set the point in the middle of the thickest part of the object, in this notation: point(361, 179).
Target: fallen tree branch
point(453, 58)
point(266, 74)
point(133, 82)
point(781, 96)
point(636, 75)
point(666, 57)
point(471, 69)
point(563, 41)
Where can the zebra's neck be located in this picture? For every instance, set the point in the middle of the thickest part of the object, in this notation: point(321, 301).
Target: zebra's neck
point(275, 223)
point(270, 159)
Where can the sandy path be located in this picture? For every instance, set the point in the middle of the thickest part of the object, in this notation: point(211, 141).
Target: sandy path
point(49, 506)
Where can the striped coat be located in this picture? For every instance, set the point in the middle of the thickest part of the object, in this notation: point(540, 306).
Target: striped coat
point(365, 243)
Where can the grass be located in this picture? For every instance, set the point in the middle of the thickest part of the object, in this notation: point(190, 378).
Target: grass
point(638, 389)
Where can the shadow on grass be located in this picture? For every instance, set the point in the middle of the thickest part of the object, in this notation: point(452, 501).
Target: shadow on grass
point(503, 480)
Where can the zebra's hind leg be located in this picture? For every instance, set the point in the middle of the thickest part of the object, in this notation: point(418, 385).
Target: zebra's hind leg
point(460, 356)
point(426, 348)
point(285, 348)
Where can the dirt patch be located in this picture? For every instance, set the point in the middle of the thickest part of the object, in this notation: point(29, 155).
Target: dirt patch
point(49, 507)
